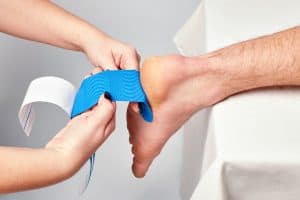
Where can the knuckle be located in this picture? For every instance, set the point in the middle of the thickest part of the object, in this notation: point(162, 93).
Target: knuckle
point(107, 109)
point(132, 50)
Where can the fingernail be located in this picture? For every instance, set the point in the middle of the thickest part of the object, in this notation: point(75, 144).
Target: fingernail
point(107, 96)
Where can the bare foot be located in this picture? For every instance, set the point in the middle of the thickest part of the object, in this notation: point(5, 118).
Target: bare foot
point(176, 87)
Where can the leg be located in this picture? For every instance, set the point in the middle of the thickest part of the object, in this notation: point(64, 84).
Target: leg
point(179, 86)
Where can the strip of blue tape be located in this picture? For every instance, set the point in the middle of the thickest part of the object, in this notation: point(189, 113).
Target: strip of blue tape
point(120, 85)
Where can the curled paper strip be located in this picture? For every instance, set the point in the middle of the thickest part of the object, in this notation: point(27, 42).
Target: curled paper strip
point(52, 90)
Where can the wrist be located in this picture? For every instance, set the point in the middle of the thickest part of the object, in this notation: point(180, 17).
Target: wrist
point(89, 36)
point(61, 161)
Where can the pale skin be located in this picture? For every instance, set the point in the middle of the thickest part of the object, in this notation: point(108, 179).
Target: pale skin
point(178, 86)
point(43, 21)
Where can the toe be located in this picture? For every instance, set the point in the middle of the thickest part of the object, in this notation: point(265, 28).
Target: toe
point(140, 167)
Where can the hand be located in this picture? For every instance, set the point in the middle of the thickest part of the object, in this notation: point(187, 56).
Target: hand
point(107, 53)
point(81, 137)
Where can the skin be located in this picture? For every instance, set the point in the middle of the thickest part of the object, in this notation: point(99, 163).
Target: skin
point(43, 21)
point(178, 87)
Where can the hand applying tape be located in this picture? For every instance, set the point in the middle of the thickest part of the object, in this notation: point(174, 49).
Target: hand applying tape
point(121, 85)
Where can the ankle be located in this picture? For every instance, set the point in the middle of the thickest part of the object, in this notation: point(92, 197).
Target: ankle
point(212, 78)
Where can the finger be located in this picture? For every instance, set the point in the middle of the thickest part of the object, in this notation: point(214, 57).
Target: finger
point(139, 58)
point(94, 71)
point(86, 114)
point(88, 75)
point(105, 132)
point(130, 59)
point(102, 113)
point(110, 127)
point(108, 63)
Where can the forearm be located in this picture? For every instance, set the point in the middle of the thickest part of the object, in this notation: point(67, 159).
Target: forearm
point(272, 60)
point(43, 21)
point(24, 168)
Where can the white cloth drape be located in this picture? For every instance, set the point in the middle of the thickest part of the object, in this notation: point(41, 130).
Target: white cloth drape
point(247, 147)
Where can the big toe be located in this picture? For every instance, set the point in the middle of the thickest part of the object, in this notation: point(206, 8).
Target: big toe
point(140, 167)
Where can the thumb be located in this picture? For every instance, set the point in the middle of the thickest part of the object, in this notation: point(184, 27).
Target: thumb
point(107, 63)
point(102, 113)
point(130, 59)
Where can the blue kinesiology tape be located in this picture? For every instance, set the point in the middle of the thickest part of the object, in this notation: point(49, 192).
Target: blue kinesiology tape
point(120, 85)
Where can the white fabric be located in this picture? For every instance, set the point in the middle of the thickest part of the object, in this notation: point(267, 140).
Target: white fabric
point(247, 147)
